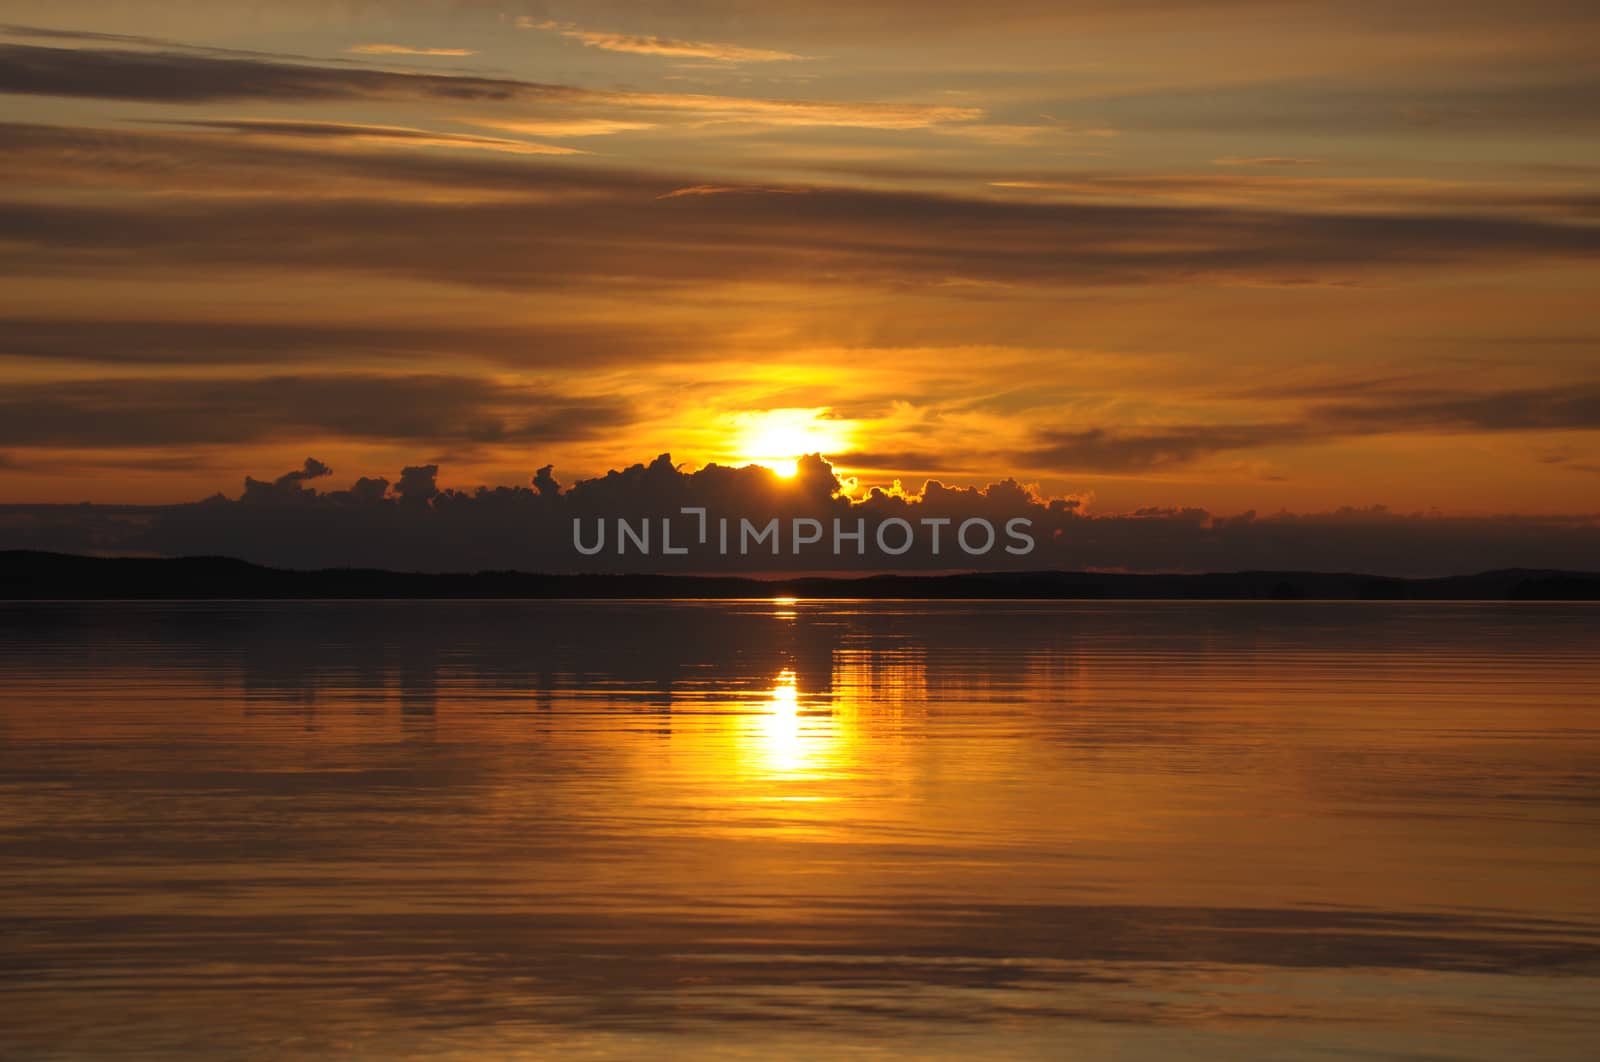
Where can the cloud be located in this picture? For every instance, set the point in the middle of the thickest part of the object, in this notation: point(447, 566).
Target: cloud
point(134, 341)
point(288, 487)
point(1575, 407)
point(664, 46)
point(403, 136)
point(180, 77)
point(1401, 410)
point(899, 461)
point(560, 127)
point(1111, 450)
point(137, 41)
point(48, 33)
point(1483, 99)
point(208, 163)
point(1265, 160)
point(421, 526)
point(163, 411)
point(611, 226)
point(1368, 195)
point(402, 49)
point(863, 115)
point(184, 78)
point(418, 484)
point(727, 189)
point(996, 133)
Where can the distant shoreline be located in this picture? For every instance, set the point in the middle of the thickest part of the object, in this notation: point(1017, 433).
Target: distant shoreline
point(34, 576)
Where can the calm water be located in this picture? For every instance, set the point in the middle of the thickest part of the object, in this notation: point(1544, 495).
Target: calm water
point(509, 829)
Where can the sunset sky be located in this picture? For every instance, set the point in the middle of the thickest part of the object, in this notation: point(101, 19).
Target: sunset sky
point(1238, 256)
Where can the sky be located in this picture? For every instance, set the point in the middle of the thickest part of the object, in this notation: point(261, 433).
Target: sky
point(1231, 257)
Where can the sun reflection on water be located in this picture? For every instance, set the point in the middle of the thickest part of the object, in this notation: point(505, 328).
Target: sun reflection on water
point(784, 742)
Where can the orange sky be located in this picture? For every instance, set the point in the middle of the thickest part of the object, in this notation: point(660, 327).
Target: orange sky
point(1234, 256)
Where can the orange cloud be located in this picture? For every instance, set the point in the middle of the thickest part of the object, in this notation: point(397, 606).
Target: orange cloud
point(561, 127)
point(402, 49)
point(641, 45)
point(800, 112)
point(400, 135)
point(724, 189)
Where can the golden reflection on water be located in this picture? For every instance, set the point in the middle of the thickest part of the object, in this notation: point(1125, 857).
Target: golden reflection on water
point(790, 827)
point(787, 743)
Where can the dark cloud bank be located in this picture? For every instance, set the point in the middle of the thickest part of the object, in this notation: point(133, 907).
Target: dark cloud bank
point(410, 524)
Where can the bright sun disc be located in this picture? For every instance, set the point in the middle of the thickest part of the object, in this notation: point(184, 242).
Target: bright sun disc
point(777, 438)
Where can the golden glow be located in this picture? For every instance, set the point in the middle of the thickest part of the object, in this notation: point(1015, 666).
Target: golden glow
point(780, 729)
point(793, 741)
point(778, 438)
point(758, 253)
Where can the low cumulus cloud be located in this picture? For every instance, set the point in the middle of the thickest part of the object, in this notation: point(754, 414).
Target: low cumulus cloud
point(414, 524)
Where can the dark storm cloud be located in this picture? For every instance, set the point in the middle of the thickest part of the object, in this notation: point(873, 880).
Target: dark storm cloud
point(177, 342)
point(180, 412)
point(419, 526)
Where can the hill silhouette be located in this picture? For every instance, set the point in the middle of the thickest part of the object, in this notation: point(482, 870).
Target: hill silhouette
point(34, 575)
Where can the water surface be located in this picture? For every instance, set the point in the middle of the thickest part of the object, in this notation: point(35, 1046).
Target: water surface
point(816, 829)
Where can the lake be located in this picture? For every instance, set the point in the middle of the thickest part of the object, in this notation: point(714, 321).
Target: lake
point(813, 829)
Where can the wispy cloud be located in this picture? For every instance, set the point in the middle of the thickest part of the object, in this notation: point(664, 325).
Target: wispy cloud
point(182, 78)
point(163, 411)
point(173, 343)
point(174, 78)
point(1101, 450)
point(614, 227)
point(1264, 160)
point(996, 133)
point(665, 46)
point(560, 127)
point(404, 49)
point(731, 109)
point(400, 135)
point(725, 189)
point(1370, 195)
point(1131, 450)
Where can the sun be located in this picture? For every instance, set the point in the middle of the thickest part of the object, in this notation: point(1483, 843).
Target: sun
point(777, 438)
